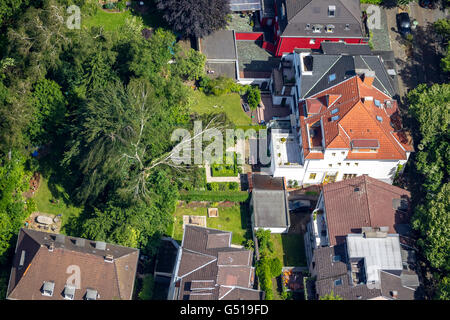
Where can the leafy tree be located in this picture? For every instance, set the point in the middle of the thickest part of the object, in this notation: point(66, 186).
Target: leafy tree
point(13, 181)
point(10, 8)
point(331, 296)
point(196, 18)
point(50, 109)
point(190, 65)
point(432, 219)
point(253, 97)
point(443, 292)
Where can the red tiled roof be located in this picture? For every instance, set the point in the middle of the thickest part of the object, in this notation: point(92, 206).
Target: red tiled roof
point(361, 202)
point(355, 117)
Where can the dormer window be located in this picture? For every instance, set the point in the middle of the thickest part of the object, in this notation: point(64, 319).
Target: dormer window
point(91, 294)
point(334, 110)
point(338, 282)
point(331, 11)
point(347, 27)
point(69, 292)
point(330, 28)
point(48, 288)
point(308, 26)
point(317, 28)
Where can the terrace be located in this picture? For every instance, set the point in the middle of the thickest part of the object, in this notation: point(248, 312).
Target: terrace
point(286, 151)
point(315, 136)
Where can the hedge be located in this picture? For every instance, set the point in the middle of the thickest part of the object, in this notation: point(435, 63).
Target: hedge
point(234, 196)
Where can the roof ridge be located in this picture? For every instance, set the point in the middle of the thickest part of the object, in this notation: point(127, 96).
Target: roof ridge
point(367, 198)
point(117, 280)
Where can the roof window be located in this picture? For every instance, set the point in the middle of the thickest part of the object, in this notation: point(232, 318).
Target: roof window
point(331, 11)
point(48, 288)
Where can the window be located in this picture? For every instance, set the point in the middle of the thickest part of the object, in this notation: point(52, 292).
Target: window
point(339, 164)
point(331, 11)
point(334, 118)
point(338, 282)
point(330, 28)
point(334, 111)
point(331, 77)
point(377, 103)
point(349, 176)
point(336, 258)
point(379, 118)
point(312, 41)
point(348, 164)
point(317, 28)
point(356, 164)
point(333, 154)
point(330, 165)
point(312, 176)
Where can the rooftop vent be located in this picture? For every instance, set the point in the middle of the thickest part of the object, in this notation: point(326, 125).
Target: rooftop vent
point(109, 258)
point(48, 288)
point(69, 292)
point(376, 232)
point(356, 189)
point(51, 247)
point(80, 242)
point(100, 245)
point(394, 294)
point(22, 259)
point(91, 294)
point(60, 238)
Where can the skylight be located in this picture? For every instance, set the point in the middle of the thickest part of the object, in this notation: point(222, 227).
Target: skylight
point(338, 282)
point(334, 118)
point(377, 103)
point(334, 111)
point(379, 118)
point(332, 77)
point(336, 258)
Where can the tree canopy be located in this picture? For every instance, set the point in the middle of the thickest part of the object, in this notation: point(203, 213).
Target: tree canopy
point(195, 18)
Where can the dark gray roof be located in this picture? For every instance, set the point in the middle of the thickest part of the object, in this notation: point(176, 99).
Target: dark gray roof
point(245, 5)
point(299, 13)
point(270, 207)
point(219, 45)
point(324, 264)
point(344, 67)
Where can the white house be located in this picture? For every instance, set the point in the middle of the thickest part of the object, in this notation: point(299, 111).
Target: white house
point(344, 121)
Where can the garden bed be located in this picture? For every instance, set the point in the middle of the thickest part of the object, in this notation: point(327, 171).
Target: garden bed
point(226, 169)
point(234, 219)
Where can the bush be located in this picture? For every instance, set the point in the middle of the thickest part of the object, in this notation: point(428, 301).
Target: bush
point(31, 206)
point(264, 277)
point(234, 186)
point(147, 288)
point(275, 267)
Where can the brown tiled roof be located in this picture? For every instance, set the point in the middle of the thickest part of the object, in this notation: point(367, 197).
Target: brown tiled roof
point(345, 290)
point(112, 280)
point(244, 294)
point(209, 271)
point(324, 265)
point(362, 202)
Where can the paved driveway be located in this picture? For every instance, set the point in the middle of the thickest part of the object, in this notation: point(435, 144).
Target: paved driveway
point(421, 63)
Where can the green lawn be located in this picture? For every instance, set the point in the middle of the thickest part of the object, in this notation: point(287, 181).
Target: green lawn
point(43, 196)
point(290, 249)
point(110, 21)
point(228, 103)
point(232, 219)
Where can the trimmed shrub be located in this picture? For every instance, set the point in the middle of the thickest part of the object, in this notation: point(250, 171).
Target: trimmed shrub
point(234, 196)
point(275, 267)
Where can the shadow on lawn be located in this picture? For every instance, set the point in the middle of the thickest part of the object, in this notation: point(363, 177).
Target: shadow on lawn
point(245, 221)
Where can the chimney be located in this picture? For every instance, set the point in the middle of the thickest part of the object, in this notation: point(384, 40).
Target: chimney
point(51, 247)
point(368, 77)
point(394, 294)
